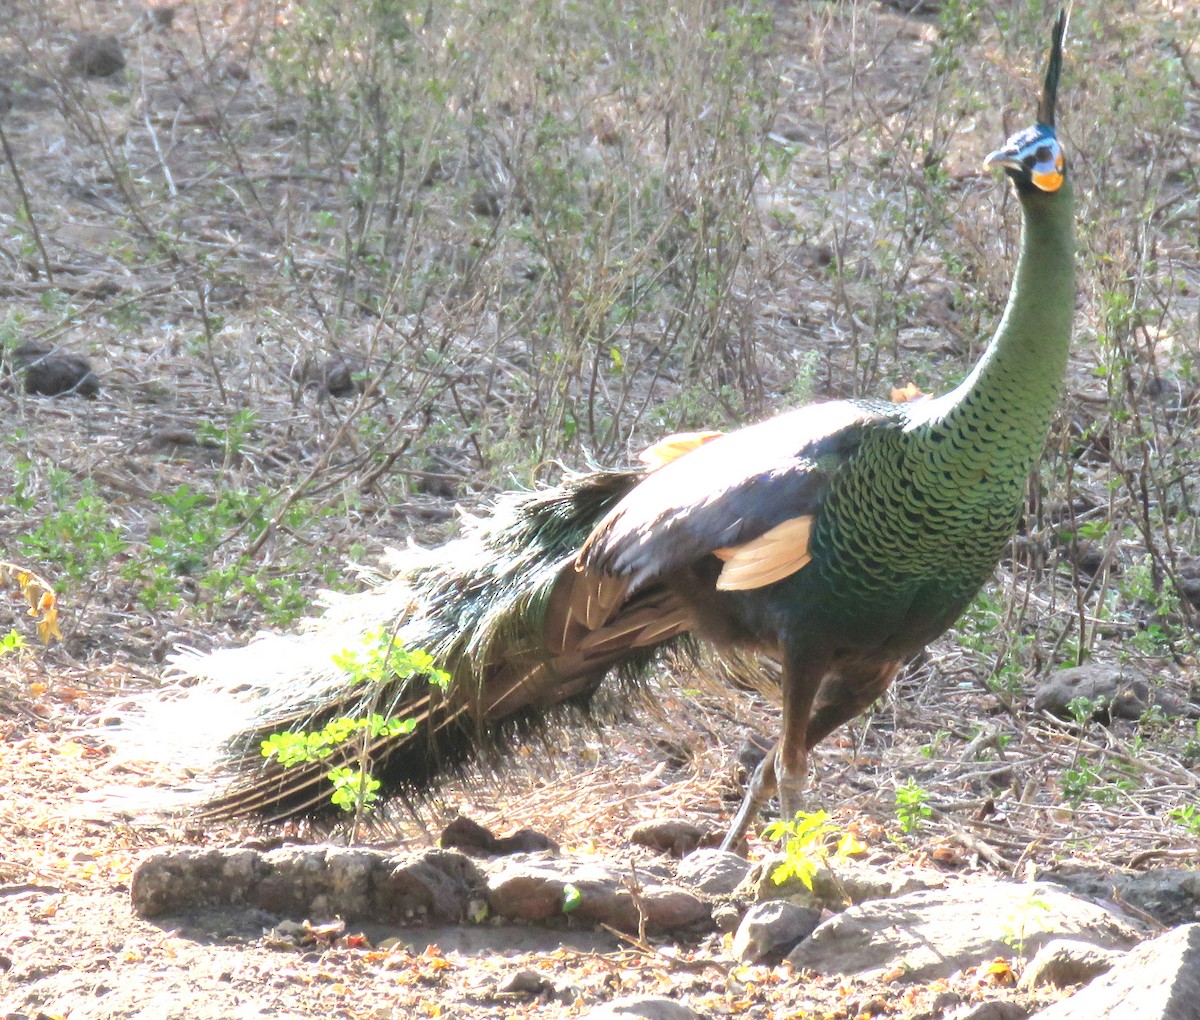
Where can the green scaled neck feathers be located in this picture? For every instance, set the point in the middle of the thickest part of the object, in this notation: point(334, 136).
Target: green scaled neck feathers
point(1019, 378)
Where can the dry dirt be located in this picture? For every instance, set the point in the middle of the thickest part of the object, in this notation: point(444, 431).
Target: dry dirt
point(69, 944)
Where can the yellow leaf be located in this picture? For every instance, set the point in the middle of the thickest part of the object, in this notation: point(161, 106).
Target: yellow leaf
point(850, 845)
point(905, 393)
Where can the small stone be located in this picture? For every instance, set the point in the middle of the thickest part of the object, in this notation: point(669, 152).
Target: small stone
point(96, 56)
point(716, 872)
point(771, 930)
point(831, 887)
point(750, 754)
point(50, 374)
point(1064, 962)
point(1158, 980)
point(537, 888)
point(526, 982)
point(726, 917)
point(1113, 691)
point(674, 836)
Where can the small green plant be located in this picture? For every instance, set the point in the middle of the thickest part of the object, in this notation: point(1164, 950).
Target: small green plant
point(931, 749)
point(352, 787)
point(1142, 585)
point(1080, 783)
point(75, 533)
point(1083, 782)
point(1083, 710)
point(11, 642)
point(1191, 748)
point(572, 897)
point(292, 748)
point(1015, 928)
point(912, 807)
point(379, 658)
point(806, 846)
point(1187, 815)
point(984, 619)
point(230, 437)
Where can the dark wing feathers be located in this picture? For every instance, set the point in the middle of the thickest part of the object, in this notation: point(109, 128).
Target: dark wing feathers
point(725, 493)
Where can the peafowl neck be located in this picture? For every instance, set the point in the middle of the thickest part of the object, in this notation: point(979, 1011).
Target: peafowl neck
point(1015, 386)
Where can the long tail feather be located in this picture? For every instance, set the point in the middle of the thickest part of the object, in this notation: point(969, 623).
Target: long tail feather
point(501, 609)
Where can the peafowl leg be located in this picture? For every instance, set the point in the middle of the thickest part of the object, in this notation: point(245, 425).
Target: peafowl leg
point(785, 768)
point(759, 790)
point(800, 682)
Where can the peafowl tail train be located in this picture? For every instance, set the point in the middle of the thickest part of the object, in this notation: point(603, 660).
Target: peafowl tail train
point(501, 611)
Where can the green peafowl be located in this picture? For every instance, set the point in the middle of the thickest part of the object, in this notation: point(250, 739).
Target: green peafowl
point(837, 539)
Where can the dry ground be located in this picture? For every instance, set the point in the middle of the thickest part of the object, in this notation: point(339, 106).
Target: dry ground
point(210, 231)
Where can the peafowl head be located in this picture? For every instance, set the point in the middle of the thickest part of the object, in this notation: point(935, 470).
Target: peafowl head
point(1033, 157)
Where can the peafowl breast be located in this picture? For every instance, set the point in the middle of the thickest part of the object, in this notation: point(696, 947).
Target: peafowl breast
point(837, 539)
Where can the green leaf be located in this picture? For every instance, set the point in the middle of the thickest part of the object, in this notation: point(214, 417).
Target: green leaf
point(572, 897)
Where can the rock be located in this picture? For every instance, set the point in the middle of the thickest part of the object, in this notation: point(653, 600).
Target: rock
point(472, 838)
point(339, 375)
point(1115, 692)
point(933, 932)
point(726, 917)
point(832, 887)
point(1170, 895)
point(647, 1007)
point(354, 883)
point(436, 885)
point(535, 889)
point(770, 930)
point(525, 841)
point(527, 982)
point(1159, 980)
point(96, 56)
point(169, 880)
point(51, 374)
point(314, 881)
point(1064, 962)
point(716, 872)
point(673, 836)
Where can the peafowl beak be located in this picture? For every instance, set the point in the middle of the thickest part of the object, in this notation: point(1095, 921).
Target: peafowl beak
point(1032, 158)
